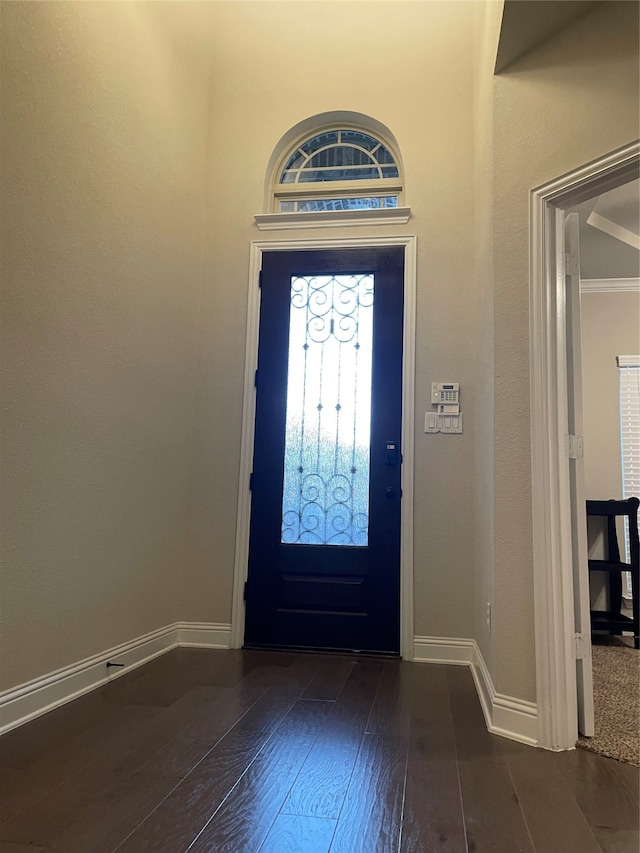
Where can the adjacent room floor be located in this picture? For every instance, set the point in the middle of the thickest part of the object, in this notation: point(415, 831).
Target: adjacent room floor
point(268, 752)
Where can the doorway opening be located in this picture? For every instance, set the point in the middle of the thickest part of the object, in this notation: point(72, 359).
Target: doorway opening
point(562, 645)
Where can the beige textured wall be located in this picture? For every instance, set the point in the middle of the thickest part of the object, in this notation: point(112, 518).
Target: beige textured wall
point(104, 128)
point(573, 99)
point(408, 65)
point(610, 327)
point(487, 19)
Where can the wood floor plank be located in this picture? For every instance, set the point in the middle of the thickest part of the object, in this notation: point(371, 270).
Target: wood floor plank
point(269, 711)
point(183, 752)
point(352, 708)
point(330, 678)
point(553, 817)
point(32, 742)
point(306, 717)
point(372, 812)
point(263, 715)
point(588, 776)
point(321, 786)
point(267, 782)
point(432, 732)
point(390, 710)
point(216, 668)
point(627, 777)
point(160, 682)
point(229, 667)
point(244, 819)
point(473, 740)
point(46, 819)
point(113, 818)
point(80, 778)
point(183, 814)
point(9, 847)
point(493, 818)
point(161, 689)
point(294, 834)
point(251, 700)
point(302, 671)
point(433, 817)
point(613, 840)
point(18, 791)
point(492, 813)
point(93, 743)
point(112, 759)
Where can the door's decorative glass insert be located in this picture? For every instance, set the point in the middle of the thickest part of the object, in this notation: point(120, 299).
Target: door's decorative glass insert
point(326, 465)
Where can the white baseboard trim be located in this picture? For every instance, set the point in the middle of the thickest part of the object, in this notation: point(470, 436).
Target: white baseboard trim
point(20, 704)
point(504, 715)
point(516, 719)
point(204, 635)
point(451, 650)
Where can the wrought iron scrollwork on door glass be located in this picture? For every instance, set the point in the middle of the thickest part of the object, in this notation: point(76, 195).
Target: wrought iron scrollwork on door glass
point(326, 466)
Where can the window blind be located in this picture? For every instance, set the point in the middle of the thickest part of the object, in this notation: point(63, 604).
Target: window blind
point(629, 370)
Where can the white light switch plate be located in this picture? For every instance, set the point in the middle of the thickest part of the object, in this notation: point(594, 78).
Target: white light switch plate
point(430, 422)
point(451, 424)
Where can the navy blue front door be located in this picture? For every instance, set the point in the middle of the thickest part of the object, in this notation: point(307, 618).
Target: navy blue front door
point(324, 550)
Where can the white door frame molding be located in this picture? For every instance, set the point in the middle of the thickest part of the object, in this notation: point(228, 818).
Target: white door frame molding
point(553, 585)
point(258, 248)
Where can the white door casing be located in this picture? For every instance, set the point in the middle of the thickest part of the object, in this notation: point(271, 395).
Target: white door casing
point(554, 599)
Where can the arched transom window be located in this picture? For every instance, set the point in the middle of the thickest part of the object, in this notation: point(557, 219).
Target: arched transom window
point(338, 169)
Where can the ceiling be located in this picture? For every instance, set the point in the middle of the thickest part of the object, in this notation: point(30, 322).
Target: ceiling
point(610, 233)
point(609, 223)
point(527, 23)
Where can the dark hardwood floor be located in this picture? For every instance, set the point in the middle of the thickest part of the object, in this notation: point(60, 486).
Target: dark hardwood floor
point(265, 752)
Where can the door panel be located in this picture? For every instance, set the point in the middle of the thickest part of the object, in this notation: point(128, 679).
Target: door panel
point(324, 548)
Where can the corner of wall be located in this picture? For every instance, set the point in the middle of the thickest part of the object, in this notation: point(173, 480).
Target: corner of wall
point(487, 22)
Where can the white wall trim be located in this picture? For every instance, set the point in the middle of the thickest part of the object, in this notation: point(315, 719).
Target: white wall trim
point(408, 407)
point(516, 719)
point(505, 715)
point(204, 635)
point(20, 704)
point(628, 360)
point(452, 650)
point(551, 509)
point(610, 285)
point(334, 218)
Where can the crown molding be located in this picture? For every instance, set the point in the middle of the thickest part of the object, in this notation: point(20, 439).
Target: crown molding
point(610, 285)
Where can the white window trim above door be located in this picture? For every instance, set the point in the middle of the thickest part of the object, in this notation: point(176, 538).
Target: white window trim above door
point(333, 218)
point(258, 248)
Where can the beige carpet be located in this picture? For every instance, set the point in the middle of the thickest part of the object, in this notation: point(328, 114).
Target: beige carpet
point(616, 698)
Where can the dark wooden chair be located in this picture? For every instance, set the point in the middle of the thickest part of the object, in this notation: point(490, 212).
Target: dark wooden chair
point(613, 620)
